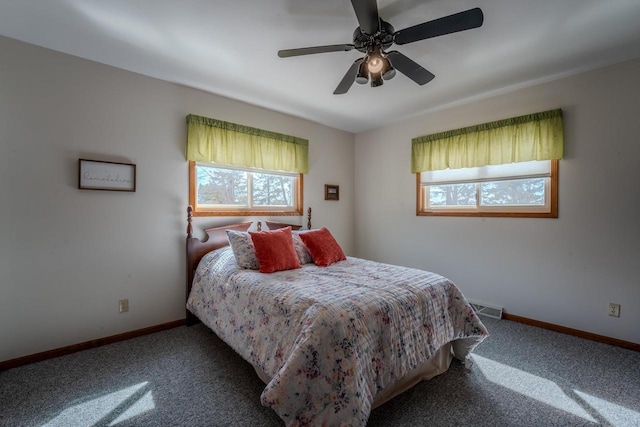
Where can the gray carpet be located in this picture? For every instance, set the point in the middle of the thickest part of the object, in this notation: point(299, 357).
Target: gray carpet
point(522, 376)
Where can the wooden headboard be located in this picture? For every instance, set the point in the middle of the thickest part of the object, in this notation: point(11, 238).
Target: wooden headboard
point(216, 238)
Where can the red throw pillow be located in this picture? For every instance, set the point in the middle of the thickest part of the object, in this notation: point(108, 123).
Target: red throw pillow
point(275, 250)
point(323, 247)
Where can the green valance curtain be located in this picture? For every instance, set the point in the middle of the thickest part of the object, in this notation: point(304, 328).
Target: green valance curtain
point(520, 139)
point(211, 140)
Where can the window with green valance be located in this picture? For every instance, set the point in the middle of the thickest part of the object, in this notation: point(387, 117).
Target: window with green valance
point(211, 140)
point(520, 139)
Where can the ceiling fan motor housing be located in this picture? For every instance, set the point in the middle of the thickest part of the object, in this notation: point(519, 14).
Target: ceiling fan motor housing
point(366, 43)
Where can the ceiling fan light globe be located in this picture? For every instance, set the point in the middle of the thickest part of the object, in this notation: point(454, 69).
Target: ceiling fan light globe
point(375, 64)
point(363, 74)
point(389, 74)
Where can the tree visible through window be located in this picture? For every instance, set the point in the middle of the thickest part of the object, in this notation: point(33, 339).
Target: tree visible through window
point(517, 192)
point(221, 186)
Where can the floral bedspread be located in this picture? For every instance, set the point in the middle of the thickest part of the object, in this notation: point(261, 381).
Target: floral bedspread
point(331, 337)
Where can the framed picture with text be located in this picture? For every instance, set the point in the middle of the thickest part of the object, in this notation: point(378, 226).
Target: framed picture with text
point(111, 176)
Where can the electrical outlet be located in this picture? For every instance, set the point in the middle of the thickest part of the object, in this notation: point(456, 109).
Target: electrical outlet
point(123, 305)
point(614, 309)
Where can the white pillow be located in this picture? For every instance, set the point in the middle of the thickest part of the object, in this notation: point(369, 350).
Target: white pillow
point(243, 249)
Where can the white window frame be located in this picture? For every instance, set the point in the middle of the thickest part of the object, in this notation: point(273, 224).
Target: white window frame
point(545, 169)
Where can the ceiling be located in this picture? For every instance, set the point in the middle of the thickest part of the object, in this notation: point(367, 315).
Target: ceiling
point(230, 48)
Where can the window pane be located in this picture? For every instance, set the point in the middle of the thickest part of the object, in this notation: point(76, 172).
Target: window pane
point(452, 195)
point(516, 192)
point(221, 186)
point(272, 190)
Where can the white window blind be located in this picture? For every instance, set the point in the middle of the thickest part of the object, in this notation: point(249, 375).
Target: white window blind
point(532, 169)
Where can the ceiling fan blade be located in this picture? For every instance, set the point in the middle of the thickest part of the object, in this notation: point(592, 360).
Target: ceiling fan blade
point(472, 18)
point(348, 78)
point(367, 14)
point(315, 49)
point(409, 68)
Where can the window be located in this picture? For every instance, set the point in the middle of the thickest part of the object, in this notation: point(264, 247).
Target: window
point(504, 168)
point(240, 170)
point(526, 189)
point(230, 190)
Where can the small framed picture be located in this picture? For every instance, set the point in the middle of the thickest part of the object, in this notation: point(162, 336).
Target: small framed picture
point(331, 192)
point(97, 175)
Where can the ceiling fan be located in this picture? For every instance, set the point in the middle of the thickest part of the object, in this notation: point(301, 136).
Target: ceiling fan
point(375, 35)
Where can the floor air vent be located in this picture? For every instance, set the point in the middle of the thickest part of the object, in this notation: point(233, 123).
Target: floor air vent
point(487, 310)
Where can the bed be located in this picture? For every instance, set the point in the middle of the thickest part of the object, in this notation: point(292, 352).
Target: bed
point(330, 342)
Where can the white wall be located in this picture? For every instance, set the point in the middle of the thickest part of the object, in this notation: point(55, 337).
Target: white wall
point(563, 271)
point(67, 255)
